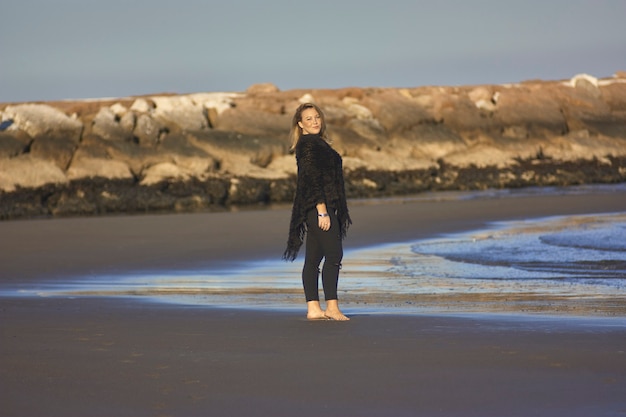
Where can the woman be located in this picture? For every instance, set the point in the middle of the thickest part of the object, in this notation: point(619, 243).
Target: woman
point(319, 211)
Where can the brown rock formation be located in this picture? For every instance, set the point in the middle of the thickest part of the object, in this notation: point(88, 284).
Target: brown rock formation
point(197, 151)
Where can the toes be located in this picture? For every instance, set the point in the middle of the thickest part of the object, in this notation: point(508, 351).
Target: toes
point(337, 317)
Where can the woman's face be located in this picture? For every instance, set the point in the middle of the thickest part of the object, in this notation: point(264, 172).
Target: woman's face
point(311, 122)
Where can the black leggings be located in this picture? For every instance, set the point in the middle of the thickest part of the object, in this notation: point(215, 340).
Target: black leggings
point(321, 244)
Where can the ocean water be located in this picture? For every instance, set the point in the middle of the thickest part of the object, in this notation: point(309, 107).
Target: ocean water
point(564, 265)
point(573, 254)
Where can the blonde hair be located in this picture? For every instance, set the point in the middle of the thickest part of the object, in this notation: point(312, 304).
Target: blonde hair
point(296, 131)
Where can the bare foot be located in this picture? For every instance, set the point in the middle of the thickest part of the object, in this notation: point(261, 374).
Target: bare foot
point(336, 315)
point(333, 312)
point(314, 311)
point(317, 316)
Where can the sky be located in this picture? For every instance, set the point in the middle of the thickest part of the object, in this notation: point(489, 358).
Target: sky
point(74, 49)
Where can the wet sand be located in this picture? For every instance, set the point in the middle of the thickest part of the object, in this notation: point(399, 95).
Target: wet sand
point(127, 357)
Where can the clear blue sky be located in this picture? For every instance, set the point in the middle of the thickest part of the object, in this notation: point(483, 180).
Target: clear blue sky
point(58, 49)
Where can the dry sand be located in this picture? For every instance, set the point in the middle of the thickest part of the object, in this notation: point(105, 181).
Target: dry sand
point(123, 357)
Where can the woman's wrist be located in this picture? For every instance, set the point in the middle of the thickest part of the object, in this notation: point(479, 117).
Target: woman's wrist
point(321, 210)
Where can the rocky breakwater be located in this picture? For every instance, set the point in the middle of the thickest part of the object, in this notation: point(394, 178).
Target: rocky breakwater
point(215, 150)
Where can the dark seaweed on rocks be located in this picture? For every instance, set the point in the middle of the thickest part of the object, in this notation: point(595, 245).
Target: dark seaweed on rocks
point(101, 196)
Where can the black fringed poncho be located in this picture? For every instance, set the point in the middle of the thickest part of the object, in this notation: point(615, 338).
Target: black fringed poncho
point(320, 180)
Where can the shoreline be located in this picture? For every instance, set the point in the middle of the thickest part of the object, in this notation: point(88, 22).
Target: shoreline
point(224, 277)
point(90, 246)
point(77, 356)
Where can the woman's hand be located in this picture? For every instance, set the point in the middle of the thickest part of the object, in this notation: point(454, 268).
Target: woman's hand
point(323, 221)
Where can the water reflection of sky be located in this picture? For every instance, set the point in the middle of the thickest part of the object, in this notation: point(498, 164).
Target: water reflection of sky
point(568, 248)
point(577, 257)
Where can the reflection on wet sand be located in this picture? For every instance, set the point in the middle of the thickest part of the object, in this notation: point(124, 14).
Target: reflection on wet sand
point(562, 265)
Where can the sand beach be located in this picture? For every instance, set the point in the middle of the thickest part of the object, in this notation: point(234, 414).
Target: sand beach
point(132, 356)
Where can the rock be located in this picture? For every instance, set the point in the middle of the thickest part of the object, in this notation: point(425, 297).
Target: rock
point(107, 125)
point(394, 111)
point(136, 157)
point(614, 95)
point(585, 82)
point(433, 141)
point(119, 109)
point(239, 153)
point(584, 108)
point(40, 120)
point(181, 111)
point(86, 167)
point(128, 121)
point(356, 110)
point(253, 122)
point(197, 167)
point(29, 172)
point(163, 171)
point(534, 107)
point(14, 143)
point(349, 142)
point(285, 164)
point(262, 88)
point(190, 112)
point(484, 98)
point(149, 131)
point(368, 128)
point(217, 101)
point(458, 112)
point(179, 169)
point(54, 135)
point(58, 149)
point(142, 106)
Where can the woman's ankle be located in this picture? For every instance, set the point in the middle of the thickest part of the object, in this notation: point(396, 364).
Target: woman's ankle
point(314, 309)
